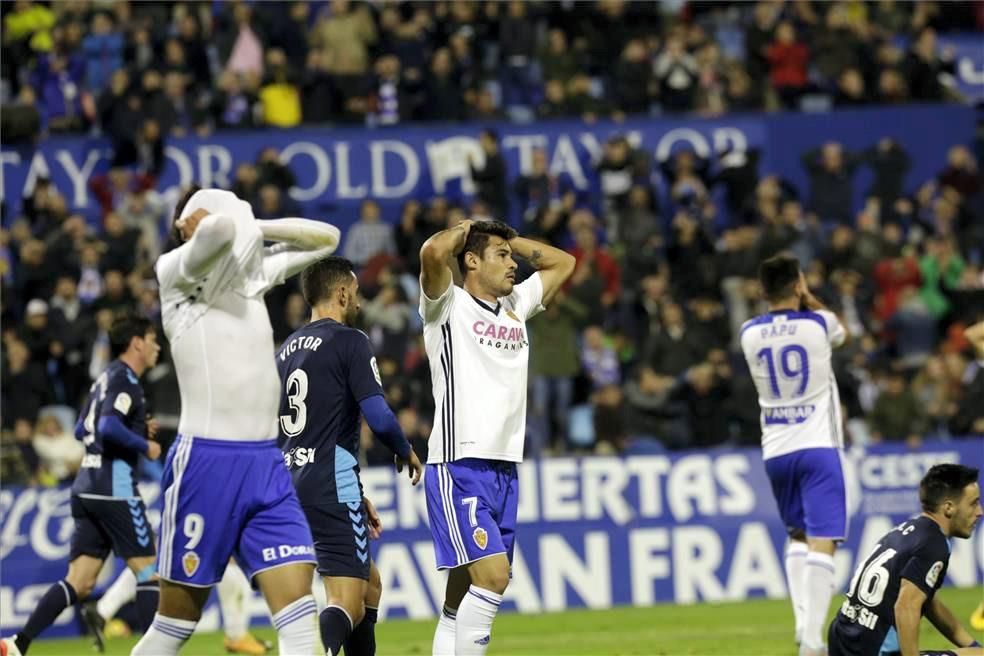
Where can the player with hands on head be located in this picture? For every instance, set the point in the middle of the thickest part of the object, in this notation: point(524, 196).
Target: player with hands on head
point(226, 491)
point(330, 381)
point(476, 341)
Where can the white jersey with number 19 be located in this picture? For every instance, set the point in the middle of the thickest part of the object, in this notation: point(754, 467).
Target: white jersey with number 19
point(789, 356)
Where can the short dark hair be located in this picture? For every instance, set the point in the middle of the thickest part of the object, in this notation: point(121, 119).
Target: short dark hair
point(943, 482)
point(478, 238)
point(174, 238)
point(123, 329)
point(778, 276)
point(319, 280)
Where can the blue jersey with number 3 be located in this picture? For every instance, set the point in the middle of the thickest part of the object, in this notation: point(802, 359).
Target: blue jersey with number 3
point(326, 369)
point(789, 356)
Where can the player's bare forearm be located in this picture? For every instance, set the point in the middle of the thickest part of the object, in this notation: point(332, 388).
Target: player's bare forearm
point(947, 624)
point(435, 274)
point(555, 266)
point(908, 612)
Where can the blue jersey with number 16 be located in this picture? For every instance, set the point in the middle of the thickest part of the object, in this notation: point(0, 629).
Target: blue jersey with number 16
point(789, 356)
point(326, 369)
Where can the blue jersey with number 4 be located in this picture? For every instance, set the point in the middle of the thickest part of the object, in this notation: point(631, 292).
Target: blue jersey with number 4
point(789, 356)
point(326, 369)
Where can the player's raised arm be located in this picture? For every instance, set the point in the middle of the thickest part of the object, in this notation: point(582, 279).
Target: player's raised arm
point(947, 624)
point(908, 612)
point(435, 254)
point(207, 237)
point(555, 266)
point(299, 242)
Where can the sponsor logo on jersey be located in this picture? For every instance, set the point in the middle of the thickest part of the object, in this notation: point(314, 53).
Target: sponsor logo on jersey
point(92, 461)
point(480, 537)
point(859, 615)
point(190, 562)
point(123, 403)
point(791, 414)
point(299, 456)
point(286, 551)
point(506, 338)
point(933, 575)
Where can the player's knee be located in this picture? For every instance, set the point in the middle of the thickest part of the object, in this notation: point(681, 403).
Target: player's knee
point(83, 585)
point(492, 579)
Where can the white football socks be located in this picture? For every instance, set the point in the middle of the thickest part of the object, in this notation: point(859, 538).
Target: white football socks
point(234, 594)
point(123, 590)
point(796, 553)
point(819, 584)
point(444, 634)
point(297, 630)
point(473, 627)
point(165, 637)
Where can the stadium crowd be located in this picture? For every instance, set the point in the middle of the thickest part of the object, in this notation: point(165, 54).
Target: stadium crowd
point(140, 72)
point(640, 350)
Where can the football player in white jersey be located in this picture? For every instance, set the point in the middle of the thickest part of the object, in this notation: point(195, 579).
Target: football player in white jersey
point(226, 491)
point(478, 347)
point(788, 351)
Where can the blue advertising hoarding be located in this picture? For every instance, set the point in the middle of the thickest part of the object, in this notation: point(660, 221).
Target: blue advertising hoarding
point(593, 532)
point(336, 168)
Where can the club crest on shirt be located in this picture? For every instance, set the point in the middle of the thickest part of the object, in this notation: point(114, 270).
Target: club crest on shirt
point(512, 315)
point(933, 575)
point(480, 537)
point(190, 562)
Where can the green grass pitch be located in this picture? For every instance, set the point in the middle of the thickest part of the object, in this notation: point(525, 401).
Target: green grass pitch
point(758, 628)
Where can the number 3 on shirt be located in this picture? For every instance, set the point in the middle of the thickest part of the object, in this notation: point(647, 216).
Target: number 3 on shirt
point(297, 389)
point(793, 363)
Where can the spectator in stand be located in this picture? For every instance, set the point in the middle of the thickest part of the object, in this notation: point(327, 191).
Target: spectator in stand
point(704, 394)
point(652, 412)
point(557, 60)
point(676, 71)
point(674, 348)
point(34, 273)
point(490, 180)
point(788, 60)
point(831, 172)
point(72, 323)
point(586, 249)
point(924, 68)
point(392, 100)
point(961, 172)
point(270, 170)
point(60, 454)
point(897, 416)
point(122, 244)
point(232, 104)
point(517, 47)
point(103, 49)
point(635, 87)
point(25, 385)
point(238, 40)
point(554, 103)
point(554, 363)
point(893, 88)
point(345, 32)
point(582, 101)
point(274, 203)
point(183, 115)
point(537, 189)
point(889, 162)
point(442, 95)
point(193, 43)
point(851, 90)
point(369, 236)
point(59, 83)
point(280, 96)
point(599, 359)
point(892, 277)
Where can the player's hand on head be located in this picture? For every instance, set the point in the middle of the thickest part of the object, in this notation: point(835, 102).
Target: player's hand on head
point(374, 523)
point(153, 426)
point(153, 450)
point(415, 469)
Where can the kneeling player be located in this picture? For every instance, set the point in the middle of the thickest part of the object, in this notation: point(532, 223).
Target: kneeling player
point(329, 377)
point(108, 511)
point(898, 581)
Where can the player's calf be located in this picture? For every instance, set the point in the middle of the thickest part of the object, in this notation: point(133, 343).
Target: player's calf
point(478, 608)
point(287, 590)
point(178, 613)
point(144, 568)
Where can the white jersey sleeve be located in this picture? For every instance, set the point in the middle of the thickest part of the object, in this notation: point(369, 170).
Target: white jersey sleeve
point(437, 310)
point(527, 297)
point(836, 332)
